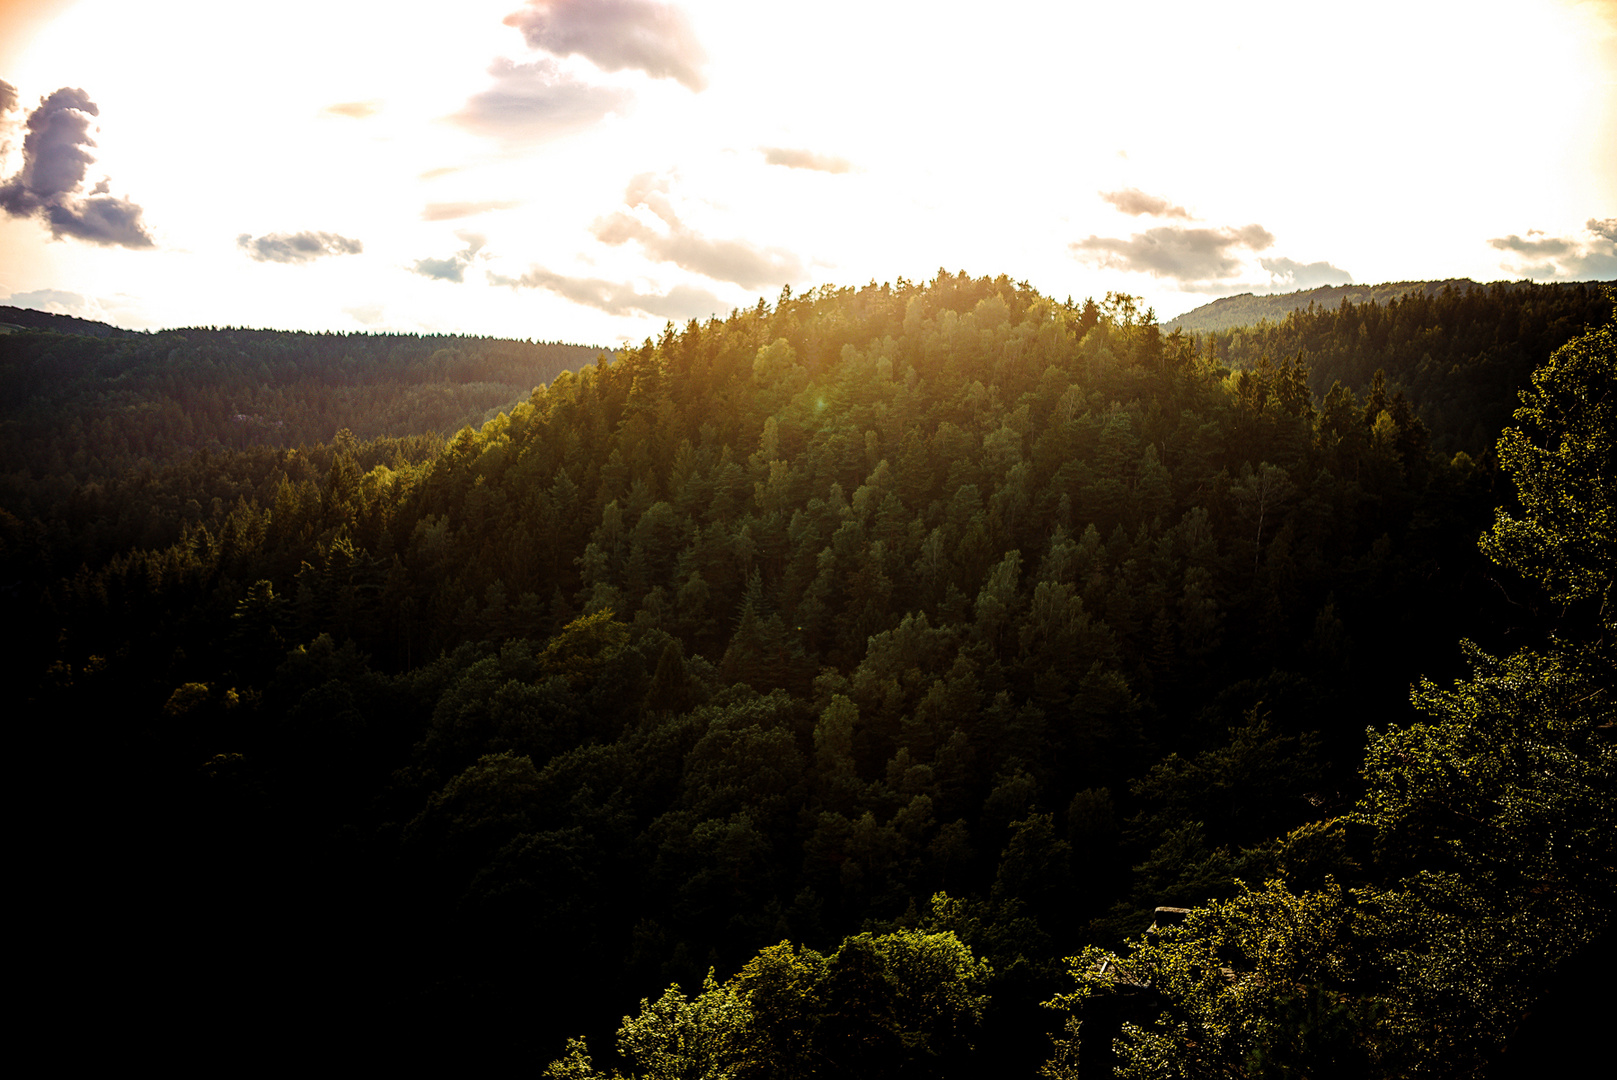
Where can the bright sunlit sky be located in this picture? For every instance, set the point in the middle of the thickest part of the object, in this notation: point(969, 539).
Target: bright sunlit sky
point(585, 170)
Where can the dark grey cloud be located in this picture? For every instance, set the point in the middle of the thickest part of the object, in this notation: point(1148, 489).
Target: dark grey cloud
point(1289, 276)
point(454, 267)
point(54, 162)
point(737, 261)
point(1187, 256)
point(449, 211)
point(1135, 202)
point(534, 102)
point(618, 298)
point(1562, 258)
point(613, 35)
point(354, 110)
point(298, 247)
point(805, 159)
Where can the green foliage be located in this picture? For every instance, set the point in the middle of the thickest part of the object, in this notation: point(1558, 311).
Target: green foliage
point(1227, 982)
point(1499, 815)
point(698, 1038)
point(1562, 457)
point(893, 1005)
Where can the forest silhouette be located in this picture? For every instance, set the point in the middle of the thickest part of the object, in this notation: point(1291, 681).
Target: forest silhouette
point(839, 687)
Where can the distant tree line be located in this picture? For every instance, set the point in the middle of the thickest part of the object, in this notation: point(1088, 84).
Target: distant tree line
point(1462, 352)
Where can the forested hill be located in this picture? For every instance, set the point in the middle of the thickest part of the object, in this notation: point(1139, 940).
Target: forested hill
point(849, 662)
point(1461, 354)
point(77, 407)
point(1248, 309)
point(13, 319)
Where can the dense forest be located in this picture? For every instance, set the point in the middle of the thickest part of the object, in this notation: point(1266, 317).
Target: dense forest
point(1248, 309)
point(843, 687)
point(98, 426)
point(1461, 354)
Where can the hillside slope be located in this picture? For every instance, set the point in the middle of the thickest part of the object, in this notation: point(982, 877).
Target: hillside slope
point(1249, 309)
point(774, 628)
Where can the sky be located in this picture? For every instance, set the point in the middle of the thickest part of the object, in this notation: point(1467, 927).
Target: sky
point(589, 170)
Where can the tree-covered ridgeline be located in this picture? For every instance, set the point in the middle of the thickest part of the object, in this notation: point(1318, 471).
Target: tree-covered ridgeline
point(1247, 309)
point(1461, 351)
point(115, 440)
point(938, 630)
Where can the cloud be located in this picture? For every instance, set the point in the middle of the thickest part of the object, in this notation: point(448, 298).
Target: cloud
point(1189, 256)
point(533, 102)
point(299, 247)
point(450, 269)
point(67, 303)
point(1289, 276)
point(737, 261)
point(614, 35)
point(355, 110)
point(1562, 258)
point(8, 101)
point(1134, 202)
point(449, 211)
point(618, 298)
point(454, 267)
point(1550, 247)
point(805, 159)
point(54, 161)
point(365, 314)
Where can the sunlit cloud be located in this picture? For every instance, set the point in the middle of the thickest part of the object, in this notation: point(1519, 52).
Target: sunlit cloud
point(8, 101)
point(450, 211)
point(454, 267)
point(1134, 202)
point(354, 110)
point(118, 309)
point(365, 314)
point(298, 247)
point(1189, 257)
point(54, 163)
point(1562, 258)
point(616, 35)
point(533, 103)
point(805, 159)
point(1287, 275)
point(618, 298)
point(56, 300)
point(672, 241)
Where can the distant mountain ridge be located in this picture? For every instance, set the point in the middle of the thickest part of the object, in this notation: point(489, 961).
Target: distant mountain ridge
point(1249, 309)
